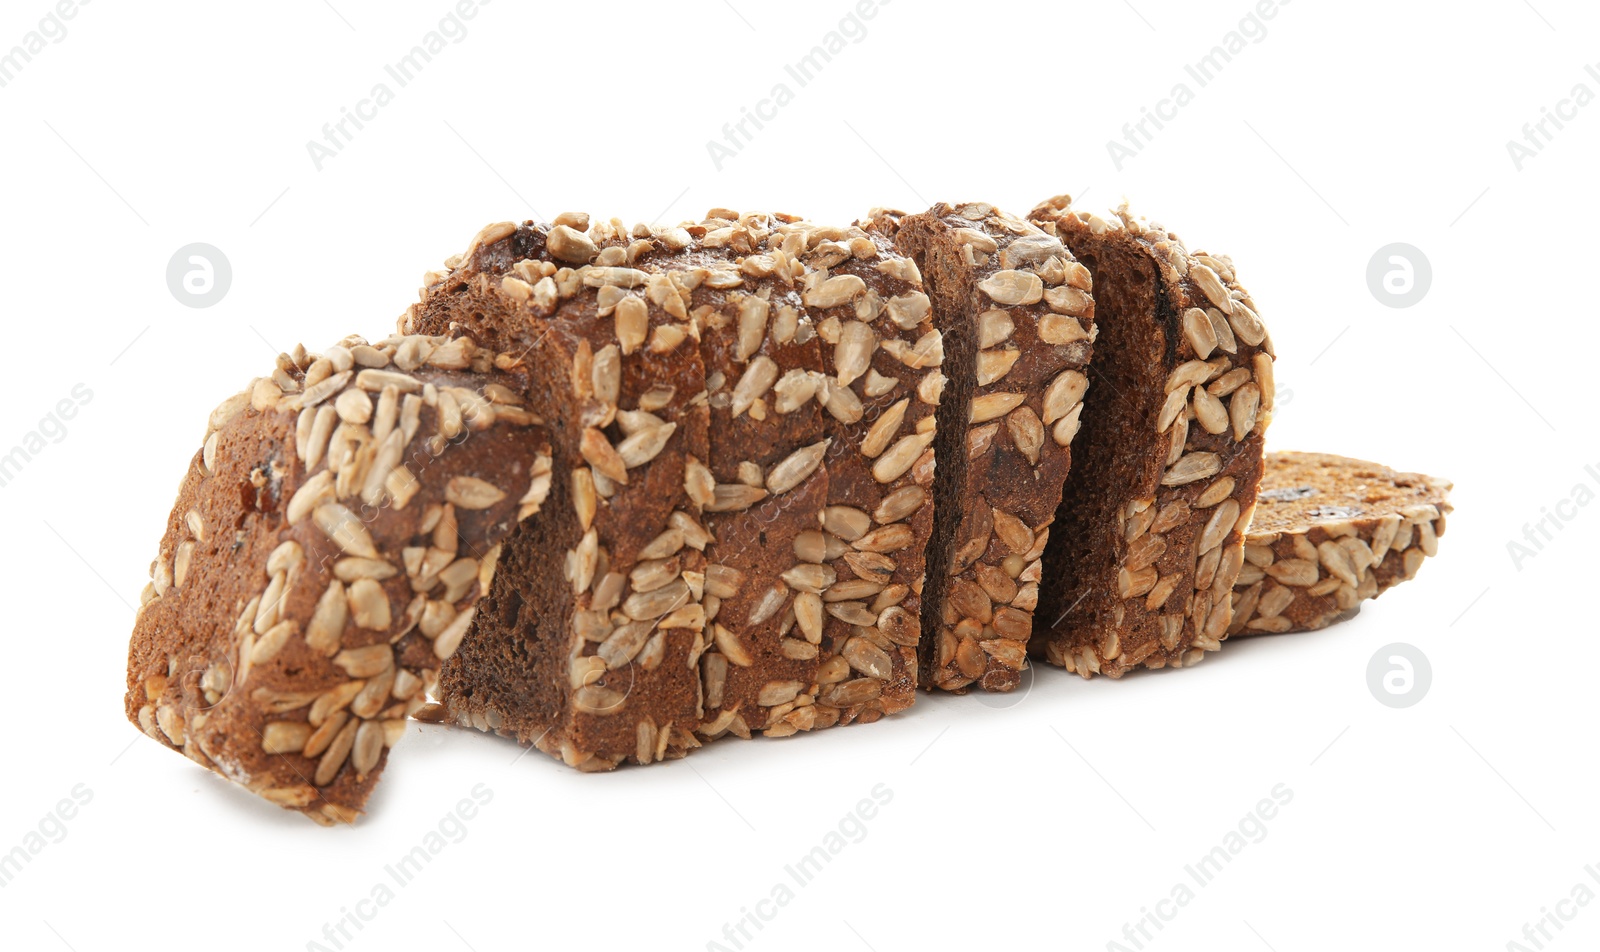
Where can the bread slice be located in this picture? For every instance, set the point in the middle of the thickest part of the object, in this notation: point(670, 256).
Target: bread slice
point(815, 593)
point(763, 311)
point(588, 647)
point(1017, 316)
point(1149, 537)
point(1330, 532)
point(327, 551)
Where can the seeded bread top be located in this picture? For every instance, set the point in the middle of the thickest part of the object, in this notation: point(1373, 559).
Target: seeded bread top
point(327, 548)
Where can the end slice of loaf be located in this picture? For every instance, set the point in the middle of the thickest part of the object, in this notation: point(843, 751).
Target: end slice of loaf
point(1330, 532)
point(1150, 535)
point(326, 553)
point(1017, 317)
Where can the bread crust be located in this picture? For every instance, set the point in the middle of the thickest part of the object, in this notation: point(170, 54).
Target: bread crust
point(325, 554)
point(1329, 533)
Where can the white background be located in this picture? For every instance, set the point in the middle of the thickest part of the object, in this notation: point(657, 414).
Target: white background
point(1047, 823)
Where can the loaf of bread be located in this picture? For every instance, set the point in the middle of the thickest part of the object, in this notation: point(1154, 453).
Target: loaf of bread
point(1149, 538)
point(798, 368)
point(1017, 318)
point(1330, 532)
point(326, 553)
point(615, 492)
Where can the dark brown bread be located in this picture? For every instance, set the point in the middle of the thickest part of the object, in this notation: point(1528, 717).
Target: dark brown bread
point(1330, 532)
point(326, 552)
point(1149, 538)
point(772, 302)
point(1017, 316)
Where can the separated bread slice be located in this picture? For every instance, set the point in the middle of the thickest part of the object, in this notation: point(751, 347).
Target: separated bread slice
point(1017, 316)
point(589, 648)
point(1149, 537)
point(327, 551)
point(756, 508)
point(1330, 532)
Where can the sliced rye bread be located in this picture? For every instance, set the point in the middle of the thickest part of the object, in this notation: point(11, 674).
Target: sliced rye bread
point(1330, 532)
point(1017, 316)
point(510, 290)
point(1150, 534)
point(327, 550)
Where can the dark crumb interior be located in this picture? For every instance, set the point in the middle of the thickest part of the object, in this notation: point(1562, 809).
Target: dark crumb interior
point(1117, 452)
point(512, 662)
point(949, 285)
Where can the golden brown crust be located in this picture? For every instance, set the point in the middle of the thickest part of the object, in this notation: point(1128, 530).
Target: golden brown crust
point(1147, 581)
point(1329, 533)
point(326, 551)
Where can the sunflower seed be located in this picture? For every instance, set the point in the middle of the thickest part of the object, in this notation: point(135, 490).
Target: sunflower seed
point(896, 506)
point(345, 529)
point(645, 445)
point(1013, 532)
point(1068, 300)
point(445, 645)
point(994, 328)
point(1067, 427)
point(1264, 378)
point(1192, 467)
point(1243, 407)
point(1026, 432)
point(1218, 526)
point(890, 538)
point(365, 662)
point(570, 245)
point(607, 375)
point(1215, 493)
point(624, 644)
point(899, 458)
point(1013, 287)
point(632, 318)
point(793, 390)
point(992, 406)
point(853, 356)
point(840, 289)
point(600, 454)
point(841, 402)
point(1209, 412)
point(757, 379)
point(730, 646)
point(1212, 287)
point(646, 606)
point(796, 468)
point(1246, 325)
point(369, 606)
point(868, 658)
point(285, 737)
